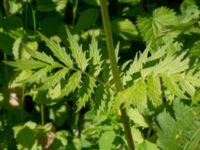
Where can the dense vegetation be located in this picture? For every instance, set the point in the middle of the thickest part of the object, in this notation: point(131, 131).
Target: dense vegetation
point(59, 88)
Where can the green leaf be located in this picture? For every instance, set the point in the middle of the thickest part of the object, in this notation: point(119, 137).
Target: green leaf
point(45, 6)
point(58, 114)
point(40, 56)
point(136, 95)
point(38, 76)
point(146, 145)
point(151, 27)
point(26, 64)
point(92, 2)
point(124, 28)
point(140, 95)
point(137, 118)
point(87, 19)
point(195, 50)
point(189, 10)
point(86, 92)
point(106, 139)
point(6, 43)
point(172, 86)
point(137, 135)
point(21, 137)
point(187, 86)
point(173, 64)
point(179, 131)
point(54, 79)
point(154, 90)
point(58, 51)
point(77, 52)
point(11, 23)
point(196, 97)
point(72, 84)
point(95, 57)
point(136, 66)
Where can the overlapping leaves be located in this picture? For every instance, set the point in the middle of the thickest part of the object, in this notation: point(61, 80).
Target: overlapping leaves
point(181, 131)
point(63, 69)
point(155, 76)
point(151, 27)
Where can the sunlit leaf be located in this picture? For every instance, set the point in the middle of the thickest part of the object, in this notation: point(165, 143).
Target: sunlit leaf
point(77, 51)
point(58, 51)
point(26, 64)
point(106, 139)
point(154, 90)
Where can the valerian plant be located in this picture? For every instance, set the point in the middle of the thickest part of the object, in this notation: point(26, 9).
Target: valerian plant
point(158, 79)
point(145, 78)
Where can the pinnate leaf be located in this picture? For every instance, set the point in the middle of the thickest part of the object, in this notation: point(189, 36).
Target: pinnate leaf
point(58, 51)
point(26, 64)
point(77, 51)
point(154, 90)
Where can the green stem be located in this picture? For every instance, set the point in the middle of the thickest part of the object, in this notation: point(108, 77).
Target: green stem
point(114, 68)
point(34, 18)
point(42, 114)
point(34, 21)
point(74, 11)
point(6, 7)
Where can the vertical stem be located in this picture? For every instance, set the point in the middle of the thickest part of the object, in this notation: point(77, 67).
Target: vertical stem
point(74, 11)
point(6, 7)
point(42, 114)
point(34, 18)
point(114, 68)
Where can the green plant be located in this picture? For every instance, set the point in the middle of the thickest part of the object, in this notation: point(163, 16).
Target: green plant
point(68, 94)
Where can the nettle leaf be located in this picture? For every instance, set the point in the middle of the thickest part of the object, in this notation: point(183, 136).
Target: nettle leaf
point(151, 27)
point(58, 51)
point(189, 10)
point(26, 64)
point(181, 130)
point(77, 52)
point(124, 28)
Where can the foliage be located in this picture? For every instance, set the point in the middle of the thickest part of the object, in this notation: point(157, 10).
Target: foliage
point(179, 130)
point(56, 86)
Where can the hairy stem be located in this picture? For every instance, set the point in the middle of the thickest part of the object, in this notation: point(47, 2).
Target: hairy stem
point(114, 68)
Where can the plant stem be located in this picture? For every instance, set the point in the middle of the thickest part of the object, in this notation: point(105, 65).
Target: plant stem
point(34, 19)
point(6, 7)
point(42, 114)
point(114, 68)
